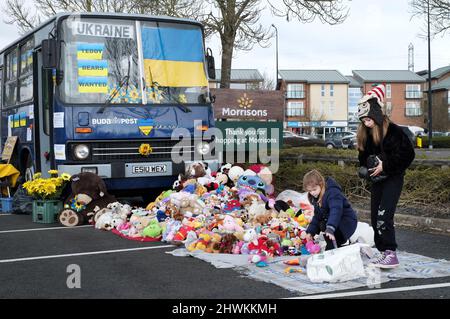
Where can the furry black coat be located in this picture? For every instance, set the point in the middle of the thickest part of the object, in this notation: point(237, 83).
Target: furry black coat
point(396, 154)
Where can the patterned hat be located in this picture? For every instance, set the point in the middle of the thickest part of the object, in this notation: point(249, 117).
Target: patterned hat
point(370, 105)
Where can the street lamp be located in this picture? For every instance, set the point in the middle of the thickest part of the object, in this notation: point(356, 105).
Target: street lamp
point(430, 108)
point(276, 73)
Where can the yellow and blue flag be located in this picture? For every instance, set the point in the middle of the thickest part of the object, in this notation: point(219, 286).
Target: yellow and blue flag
point(173, 57)
point(90, 51)
point(92, 68)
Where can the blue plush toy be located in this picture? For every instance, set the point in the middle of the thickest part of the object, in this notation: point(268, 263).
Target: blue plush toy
point(252, 182)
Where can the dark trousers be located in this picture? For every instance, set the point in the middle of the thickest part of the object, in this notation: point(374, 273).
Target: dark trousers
point(340, 240)
point(384, 199)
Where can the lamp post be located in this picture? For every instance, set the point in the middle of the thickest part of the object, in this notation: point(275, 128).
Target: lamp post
point(276, 73)
point(430, 108)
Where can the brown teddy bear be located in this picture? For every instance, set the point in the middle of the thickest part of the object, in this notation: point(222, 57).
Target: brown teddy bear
point(88, 196)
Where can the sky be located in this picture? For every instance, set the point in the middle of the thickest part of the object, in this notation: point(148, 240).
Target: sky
point(375, 36)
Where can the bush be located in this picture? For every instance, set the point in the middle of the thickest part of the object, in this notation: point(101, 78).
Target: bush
point(318, 151)
point(438, 142)
point(427, 186)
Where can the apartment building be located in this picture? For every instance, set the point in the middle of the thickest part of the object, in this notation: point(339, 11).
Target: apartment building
point(242, 79)
point(404, 93)
point(440, 87)
point(354, 95)
point(316, 100)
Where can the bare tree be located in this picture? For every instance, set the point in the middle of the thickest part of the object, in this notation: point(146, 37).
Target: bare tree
point(237, 22)
point(26, 17)
point(439, 14)
point(267, 83)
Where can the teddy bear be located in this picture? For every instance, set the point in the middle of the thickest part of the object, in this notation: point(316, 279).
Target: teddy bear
point(227, 243)
point(88, 195)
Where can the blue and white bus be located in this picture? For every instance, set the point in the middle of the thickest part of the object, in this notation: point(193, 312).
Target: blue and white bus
point(103, 93)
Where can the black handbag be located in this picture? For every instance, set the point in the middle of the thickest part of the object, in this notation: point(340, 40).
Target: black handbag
point(372, 162)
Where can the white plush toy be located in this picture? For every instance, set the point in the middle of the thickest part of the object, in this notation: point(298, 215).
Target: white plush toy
point(105, 221)
point(363, 234)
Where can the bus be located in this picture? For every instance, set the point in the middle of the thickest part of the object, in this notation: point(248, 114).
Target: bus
point(103, 93)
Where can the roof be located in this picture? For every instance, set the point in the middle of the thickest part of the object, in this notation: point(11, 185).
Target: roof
point(436, 73)
point(241, 75)
point(353, 82)
point(313, 76)
point(387, 76)
point(443, 85)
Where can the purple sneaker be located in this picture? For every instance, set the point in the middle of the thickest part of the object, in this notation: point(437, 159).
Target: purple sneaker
point(390, 260)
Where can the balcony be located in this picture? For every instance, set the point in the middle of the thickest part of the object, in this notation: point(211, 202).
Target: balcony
point(295, 94)
point(413, 95)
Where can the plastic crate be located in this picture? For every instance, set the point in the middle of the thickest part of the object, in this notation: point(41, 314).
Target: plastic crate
point(6, 203)
point(46, 211)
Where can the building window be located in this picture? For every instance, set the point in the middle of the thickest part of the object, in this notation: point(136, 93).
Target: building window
point(253, 85)
point(388, 91)
point(238, 86)
point(322, 90)
point(449, 111)
point(331, 89)
point(448, 97)
point(295, 91)
point(413, 91)
point(295, 109)
point(413, 109)
point(388, 108)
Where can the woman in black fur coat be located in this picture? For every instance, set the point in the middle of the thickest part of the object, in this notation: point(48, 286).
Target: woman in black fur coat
point(385, 152)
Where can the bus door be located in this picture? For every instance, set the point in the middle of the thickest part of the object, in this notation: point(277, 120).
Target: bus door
point(44, 92)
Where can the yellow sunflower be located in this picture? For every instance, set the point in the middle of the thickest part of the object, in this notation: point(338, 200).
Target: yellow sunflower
point(53, 172)
point(145, 149)
point(66, 176)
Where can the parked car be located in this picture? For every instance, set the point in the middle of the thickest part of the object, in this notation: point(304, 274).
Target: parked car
point(290, 138)
point(349, 142)
point(334, 140)
point(409, 133)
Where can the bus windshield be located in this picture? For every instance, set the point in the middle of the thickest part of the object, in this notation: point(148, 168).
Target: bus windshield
point(131, 62)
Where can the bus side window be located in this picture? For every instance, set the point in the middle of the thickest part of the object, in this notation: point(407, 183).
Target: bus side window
point(47, 98)
point(26, 71)
point(10, 87)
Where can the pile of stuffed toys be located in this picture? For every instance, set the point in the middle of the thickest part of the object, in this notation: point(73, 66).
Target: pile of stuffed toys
point(232, 211)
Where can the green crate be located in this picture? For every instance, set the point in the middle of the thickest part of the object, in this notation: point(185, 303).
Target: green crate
point(46, 211)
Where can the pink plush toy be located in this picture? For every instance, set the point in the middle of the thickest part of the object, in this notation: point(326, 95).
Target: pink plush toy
point(312, 247)
point(230, 225)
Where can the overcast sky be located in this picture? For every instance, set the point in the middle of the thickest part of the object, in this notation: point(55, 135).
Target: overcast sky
point(376, 35)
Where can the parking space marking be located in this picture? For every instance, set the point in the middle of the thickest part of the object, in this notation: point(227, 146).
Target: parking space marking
point(37, 229)
point(84, 254)
point(374, 291)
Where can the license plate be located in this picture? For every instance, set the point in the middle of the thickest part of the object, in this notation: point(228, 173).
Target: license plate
point(149, 169)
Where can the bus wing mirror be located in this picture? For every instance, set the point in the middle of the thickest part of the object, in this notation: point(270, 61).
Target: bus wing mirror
point(49, 53)
point(211, 65)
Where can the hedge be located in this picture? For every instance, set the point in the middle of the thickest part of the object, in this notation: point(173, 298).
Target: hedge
point(425, 186)
point(438, 142)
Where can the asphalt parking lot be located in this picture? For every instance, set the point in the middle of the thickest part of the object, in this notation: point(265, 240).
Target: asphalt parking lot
point(34, 260)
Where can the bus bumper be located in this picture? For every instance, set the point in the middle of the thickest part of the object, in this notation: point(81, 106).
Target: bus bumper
point(135, 175)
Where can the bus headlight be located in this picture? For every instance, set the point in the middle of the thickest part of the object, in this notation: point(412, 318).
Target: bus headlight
point(81, 152)
point(203, 148)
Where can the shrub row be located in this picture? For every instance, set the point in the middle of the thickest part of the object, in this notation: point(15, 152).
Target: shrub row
point(423, 185)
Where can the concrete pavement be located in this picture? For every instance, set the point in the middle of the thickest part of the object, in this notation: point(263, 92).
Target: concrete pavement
point(34, 260)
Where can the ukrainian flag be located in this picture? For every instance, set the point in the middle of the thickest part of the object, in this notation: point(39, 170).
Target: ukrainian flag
point(173, 57)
